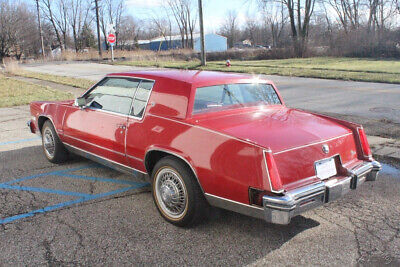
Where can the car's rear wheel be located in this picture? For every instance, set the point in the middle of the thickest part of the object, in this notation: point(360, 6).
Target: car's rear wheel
point(53, 148)
point(176, 193)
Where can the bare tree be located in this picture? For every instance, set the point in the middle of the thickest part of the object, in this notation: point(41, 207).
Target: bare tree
point(182, 11)
point(348, 13)
point(299, 12)
point(78, 17)
point(381, 15)
point(48, 10)
point(230, 28)
point(275, 19)
point(61, 17)
point(163, 26)
point(18, 30)
point(128, 31)
point(251, 28)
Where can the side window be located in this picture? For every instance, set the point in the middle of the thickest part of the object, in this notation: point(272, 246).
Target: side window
point(113, 94)
point(208, 96)
point(141, 98)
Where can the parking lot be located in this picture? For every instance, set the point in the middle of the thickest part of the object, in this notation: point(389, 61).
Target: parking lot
point(83, 213)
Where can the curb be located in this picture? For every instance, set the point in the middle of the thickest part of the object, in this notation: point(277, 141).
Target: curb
point(385, 147)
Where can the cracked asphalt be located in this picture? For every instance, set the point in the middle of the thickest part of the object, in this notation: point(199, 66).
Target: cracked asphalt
point(124, 228)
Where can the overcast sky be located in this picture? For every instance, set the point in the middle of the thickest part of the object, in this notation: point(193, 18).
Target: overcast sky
point(213, 10)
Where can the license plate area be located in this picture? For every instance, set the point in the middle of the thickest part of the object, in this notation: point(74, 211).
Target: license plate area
point(325, 168)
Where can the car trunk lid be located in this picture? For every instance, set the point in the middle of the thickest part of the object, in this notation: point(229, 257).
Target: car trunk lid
point(294, 136)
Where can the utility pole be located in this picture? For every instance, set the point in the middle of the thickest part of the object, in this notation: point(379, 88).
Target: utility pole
point(40, 28)
point(203, 52)
point(98, 28)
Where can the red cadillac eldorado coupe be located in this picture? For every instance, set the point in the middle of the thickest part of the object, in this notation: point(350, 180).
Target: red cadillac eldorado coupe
point(209, 138)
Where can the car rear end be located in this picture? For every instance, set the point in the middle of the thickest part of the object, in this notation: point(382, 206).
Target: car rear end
point(311, 175)
point(305, 159)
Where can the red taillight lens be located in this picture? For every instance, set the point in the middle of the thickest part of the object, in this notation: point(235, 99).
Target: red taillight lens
point(364, 142)
point(273, 175)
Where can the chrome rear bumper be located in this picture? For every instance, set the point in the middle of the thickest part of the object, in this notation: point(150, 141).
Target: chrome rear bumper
point(280, 209)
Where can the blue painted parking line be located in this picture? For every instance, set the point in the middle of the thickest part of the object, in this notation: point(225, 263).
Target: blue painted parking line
point(68, 203)
point(82, 197)
point(43, 190)
point(52, 173)
point(20, 141)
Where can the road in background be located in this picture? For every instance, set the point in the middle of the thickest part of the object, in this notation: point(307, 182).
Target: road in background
point(372, 100)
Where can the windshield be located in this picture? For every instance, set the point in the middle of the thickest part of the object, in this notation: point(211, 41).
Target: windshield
point(224, 96)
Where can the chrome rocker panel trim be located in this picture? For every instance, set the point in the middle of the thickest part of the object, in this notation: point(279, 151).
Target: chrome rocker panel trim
point(106, 162)
point(280, 209)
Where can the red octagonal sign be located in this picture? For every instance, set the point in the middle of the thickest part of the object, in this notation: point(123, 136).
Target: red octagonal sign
point(111, 38)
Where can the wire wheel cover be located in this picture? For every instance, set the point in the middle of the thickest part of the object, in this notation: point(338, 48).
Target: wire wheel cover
point(48, 142)
point(171, 193)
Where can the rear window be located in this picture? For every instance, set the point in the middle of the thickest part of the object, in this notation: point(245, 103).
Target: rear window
point(224, 96)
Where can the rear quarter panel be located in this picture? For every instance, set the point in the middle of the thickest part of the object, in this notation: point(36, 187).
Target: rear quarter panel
point(225, 166)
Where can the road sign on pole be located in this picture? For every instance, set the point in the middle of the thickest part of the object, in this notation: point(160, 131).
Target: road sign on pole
point(111, 39)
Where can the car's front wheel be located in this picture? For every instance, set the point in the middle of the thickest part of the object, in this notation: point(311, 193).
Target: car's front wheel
point(53, 148)
point(176, 193)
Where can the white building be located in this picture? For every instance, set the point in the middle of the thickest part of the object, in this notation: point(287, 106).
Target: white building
point(213, 42)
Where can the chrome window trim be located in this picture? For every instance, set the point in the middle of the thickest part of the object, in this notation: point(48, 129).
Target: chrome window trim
point(91, 88)
point(108, 112)
point(108, 77)
point(147, 101)
point(114, 76)
point(132, 77)
point(311, 144)
point(133, 98)
point(103, 158)
point(268, 176)
point(241, 82)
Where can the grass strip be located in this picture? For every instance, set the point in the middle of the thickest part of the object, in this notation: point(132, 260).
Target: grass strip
point(15, 92)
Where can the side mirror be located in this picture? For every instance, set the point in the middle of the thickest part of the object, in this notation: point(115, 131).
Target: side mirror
point(80, 102)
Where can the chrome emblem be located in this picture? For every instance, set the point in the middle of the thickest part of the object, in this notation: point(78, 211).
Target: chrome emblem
point(325, 149)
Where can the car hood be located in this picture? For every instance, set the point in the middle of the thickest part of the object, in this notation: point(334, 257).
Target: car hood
point(276, 127)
